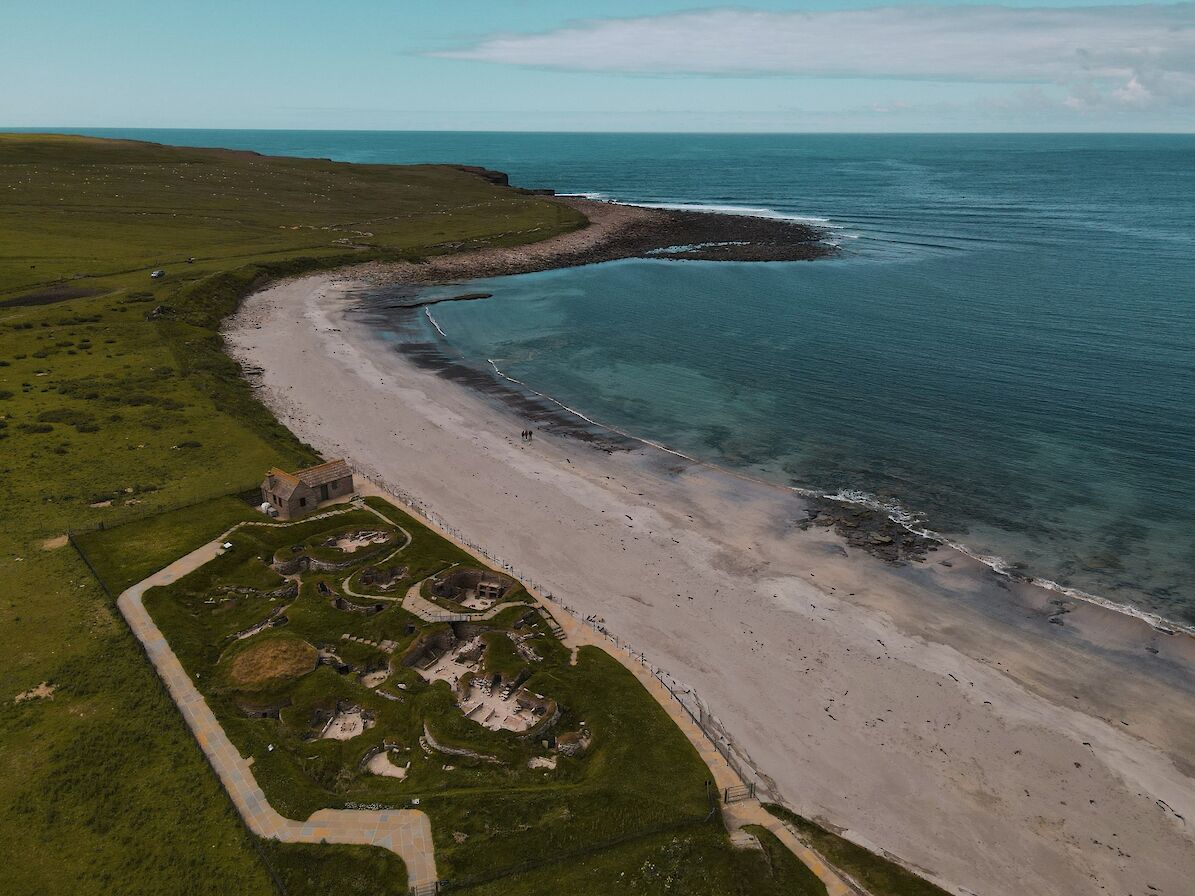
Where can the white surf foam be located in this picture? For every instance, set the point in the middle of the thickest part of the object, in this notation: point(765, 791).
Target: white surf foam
point(914, 523)
point(909, 520)
point(428, 312)
point(747, 211)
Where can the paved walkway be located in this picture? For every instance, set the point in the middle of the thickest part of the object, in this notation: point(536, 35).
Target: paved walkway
point(406, 832)
point(575, 633)
point(420, 606)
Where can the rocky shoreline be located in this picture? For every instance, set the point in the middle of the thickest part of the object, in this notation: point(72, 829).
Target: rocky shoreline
point(616, 231)
point(680, 234)
point(869, 530)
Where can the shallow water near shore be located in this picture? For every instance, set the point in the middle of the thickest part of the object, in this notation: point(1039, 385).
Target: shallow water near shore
point(1004, 350)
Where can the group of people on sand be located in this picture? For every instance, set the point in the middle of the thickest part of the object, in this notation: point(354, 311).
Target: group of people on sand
point(528, 435)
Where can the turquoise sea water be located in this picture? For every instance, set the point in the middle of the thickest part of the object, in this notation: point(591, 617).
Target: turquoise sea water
point(1005, 348)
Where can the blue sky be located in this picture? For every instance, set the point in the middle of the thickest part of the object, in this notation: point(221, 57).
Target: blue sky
point(760, 65)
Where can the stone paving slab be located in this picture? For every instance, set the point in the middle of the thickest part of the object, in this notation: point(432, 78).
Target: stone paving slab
point(406, 832)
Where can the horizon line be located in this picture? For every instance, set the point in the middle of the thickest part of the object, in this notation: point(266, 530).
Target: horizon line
point(80, 129)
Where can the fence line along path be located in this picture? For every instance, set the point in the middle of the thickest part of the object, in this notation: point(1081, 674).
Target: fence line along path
point(711, 741)
point(406, 832)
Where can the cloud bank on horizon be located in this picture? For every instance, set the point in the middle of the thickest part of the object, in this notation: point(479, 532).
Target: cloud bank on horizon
point(1098, 58)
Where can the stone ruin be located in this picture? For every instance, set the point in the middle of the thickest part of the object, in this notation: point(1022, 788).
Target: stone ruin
point(258, 711)
point(346, 722)
point(383, 578)
point(303, 563)
point(573, 743)
point(351, 542)
point(477, 589)
point(455, 655)
point(328, 657)
point(377, 760)
point(276, 619)
point(428, 647)
point(285, 591)
point(348, 606)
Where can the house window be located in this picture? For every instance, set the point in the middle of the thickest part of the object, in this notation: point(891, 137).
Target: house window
point(302, 502)
point(332, 487)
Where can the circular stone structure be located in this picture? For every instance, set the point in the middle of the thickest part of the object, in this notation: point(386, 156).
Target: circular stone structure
point(470, 583)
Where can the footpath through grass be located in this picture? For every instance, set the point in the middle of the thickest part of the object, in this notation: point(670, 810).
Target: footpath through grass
point(109, 412)
point(632, 808)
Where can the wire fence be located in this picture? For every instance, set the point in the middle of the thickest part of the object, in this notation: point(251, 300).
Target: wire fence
point(690, 701)
point(250, 836)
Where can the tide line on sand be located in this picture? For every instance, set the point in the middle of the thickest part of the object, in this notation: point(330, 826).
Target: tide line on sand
point(869, 693)
point(891, 509)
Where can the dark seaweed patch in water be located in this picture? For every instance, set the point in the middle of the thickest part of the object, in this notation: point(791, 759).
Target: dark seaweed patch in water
point(869, 530)
point(405, 323)
point(547, 416)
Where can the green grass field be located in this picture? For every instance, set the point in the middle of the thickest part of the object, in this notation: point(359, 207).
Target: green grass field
point(633, 808)
point(880, 876)
point(102, 789)
point(114, 415)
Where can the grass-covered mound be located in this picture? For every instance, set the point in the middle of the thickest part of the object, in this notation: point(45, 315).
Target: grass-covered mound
point(270, 661)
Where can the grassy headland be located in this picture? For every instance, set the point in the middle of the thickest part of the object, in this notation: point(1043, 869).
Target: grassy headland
point(110, 412)
point(118, 407)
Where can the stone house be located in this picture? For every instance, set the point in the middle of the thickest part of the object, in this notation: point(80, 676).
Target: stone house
point(297, 494)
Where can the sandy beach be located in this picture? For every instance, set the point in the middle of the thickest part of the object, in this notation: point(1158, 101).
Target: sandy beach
point(932, 710)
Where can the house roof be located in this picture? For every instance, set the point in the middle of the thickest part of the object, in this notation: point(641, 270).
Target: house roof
point(285, 484)
point(282, 483)
point(314, 477)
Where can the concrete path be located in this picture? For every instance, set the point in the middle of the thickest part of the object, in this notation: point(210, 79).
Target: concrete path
point(406, 832)
point(575, 633)
point(738, 815)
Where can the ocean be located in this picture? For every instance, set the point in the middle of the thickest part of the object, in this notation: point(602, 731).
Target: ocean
point(1003, 352)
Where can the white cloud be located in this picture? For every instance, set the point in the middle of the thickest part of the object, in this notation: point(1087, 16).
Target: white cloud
point(1126, 55)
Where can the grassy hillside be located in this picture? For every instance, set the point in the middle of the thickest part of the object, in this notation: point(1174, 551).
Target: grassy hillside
point(109, 412)
point(84, 206)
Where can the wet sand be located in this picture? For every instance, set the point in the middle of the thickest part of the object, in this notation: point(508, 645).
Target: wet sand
point(932, 710)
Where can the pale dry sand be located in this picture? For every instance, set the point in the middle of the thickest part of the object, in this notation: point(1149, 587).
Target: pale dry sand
point(929, 710)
